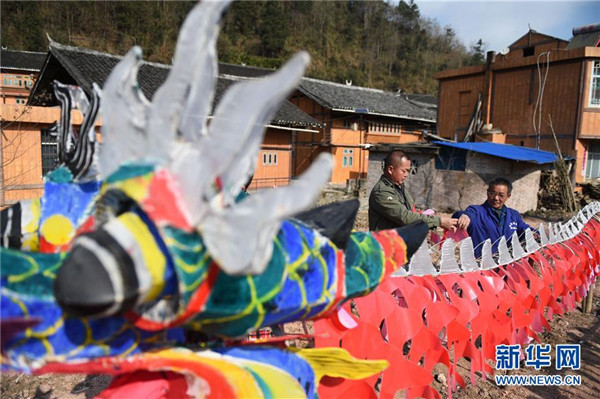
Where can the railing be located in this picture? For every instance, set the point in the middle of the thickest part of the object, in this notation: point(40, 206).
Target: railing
point(269, 182)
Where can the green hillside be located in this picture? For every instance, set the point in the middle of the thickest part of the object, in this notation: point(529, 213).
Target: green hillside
point(370, 43)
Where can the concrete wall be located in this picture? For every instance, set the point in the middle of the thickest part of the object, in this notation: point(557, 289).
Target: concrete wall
point(449, 190)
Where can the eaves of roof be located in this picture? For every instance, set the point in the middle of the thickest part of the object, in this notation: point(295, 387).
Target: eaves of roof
point(362, 100)
point(89, 66)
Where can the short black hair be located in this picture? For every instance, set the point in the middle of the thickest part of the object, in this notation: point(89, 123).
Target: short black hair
point(500, 181)
point(393, 157)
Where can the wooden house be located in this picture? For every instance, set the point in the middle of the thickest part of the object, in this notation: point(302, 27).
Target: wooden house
point(20, 143)
point(354, 119)
point(83, 67)
point(537, 88)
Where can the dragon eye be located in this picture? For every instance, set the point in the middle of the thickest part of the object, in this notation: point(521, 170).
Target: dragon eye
point(111, 204)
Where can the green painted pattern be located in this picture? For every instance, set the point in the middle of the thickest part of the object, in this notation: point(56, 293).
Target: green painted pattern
point(365, 262)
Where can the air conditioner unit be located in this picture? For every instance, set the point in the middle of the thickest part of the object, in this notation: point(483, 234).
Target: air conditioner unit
point(355, 126)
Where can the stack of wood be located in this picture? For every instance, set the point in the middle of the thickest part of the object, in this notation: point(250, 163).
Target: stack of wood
point(591, 191)
point(549, 196)
point(562, 172)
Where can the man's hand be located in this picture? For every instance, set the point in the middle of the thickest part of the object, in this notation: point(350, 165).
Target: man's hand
point(463, 222)
point(448, 223)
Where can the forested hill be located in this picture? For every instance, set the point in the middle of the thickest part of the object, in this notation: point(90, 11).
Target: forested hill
point(371, 43)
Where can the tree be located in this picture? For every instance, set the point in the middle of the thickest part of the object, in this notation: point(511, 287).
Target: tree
point(477, 53)
point(273, 30)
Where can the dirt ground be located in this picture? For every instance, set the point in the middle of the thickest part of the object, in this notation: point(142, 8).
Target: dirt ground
point(572, 328)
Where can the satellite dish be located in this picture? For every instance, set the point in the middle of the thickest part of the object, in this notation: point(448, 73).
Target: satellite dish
point(504, 51)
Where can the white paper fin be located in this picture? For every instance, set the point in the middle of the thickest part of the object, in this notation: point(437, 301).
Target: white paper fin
point(448, 263)
point(240, 238)
point(531, 245)
point(517, 249)
point(124, 116)
point(543, 236)
point(420, 263)
point(551, 233)
point(487, 261)
point(467, 255)
point(504, 257)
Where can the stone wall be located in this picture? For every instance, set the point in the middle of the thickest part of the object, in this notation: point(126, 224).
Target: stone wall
point(450, 190)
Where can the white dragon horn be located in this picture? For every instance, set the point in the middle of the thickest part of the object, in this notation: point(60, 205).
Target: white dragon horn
point(183, 102)
point(240, 239)
point(124, 116)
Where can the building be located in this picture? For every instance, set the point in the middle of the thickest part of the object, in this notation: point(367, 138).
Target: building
point(20, 143)
point(19, 70)
point(354, 119)
point(82, 67)
point(540, 86)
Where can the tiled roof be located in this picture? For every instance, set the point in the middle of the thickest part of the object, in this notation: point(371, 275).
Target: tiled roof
point(88, 66)
point(334, 95)
point(24, 60)
point(588, 39)
point(288, 114)
point(364, 100)
point(243, 70)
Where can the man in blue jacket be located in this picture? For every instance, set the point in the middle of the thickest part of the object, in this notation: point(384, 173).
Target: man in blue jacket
point(492, 219)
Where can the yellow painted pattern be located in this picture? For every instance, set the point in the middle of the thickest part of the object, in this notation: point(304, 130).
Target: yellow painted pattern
point(154, 259)
point(280, 383)
point(26, 274)
point(337, 362)
point(240, 379)
point(31, 241)
point(136, 187)
point(57, 230)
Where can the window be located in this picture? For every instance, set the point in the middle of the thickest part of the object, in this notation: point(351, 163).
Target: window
point(348, 159)
point(347, 123)
point(595, 85)
point(592, 165)
point(451, 159)
point(49, 151)
point(528, 51)
point(269, 158)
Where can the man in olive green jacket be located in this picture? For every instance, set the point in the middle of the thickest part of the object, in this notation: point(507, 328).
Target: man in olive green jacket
point(391, 206)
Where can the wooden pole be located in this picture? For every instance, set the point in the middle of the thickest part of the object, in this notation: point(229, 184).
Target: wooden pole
point(589, 300)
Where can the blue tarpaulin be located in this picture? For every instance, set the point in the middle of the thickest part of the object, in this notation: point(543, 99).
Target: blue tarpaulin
point(508, 151)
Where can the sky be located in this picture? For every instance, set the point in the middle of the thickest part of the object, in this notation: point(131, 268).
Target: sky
point(500, 23)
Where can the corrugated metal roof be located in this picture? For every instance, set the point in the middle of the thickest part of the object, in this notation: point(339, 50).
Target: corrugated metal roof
point(507, 151)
